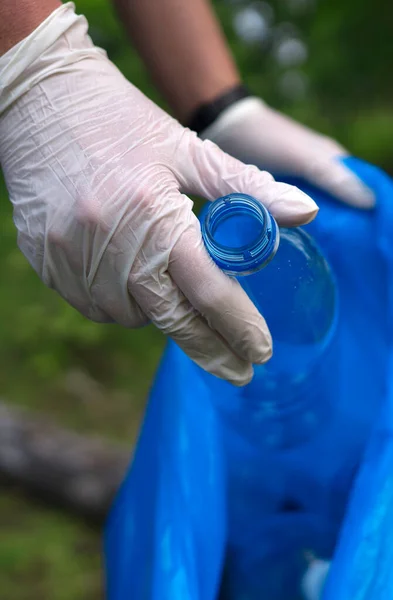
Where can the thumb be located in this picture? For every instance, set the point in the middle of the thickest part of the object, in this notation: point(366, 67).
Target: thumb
point(205, 170)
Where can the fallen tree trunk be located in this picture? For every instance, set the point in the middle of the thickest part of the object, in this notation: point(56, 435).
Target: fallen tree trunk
point(80, 472)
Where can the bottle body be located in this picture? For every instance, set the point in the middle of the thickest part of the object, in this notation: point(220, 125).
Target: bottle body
point(296, 295)
point(294, 290)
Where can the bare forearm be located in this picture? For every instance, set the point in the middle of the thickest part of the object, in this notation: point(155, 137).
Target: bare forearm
point(183, 46)
point(18, 18)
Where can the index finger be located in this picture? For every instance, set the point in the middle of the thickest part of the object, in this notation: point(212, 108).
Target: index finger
point(219, 298)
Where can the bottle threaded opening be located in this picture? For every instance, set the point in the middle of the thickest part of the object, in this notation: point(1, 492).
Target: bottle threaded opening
point(240, 234)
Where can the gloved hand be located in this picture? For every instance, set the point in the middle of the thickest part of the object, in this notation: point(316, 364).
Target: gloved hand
point(259, 135)
point(98, 175)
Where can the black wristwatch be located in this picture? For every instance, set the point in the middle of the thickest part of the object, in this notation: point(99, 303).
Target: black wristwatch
point(206, 114)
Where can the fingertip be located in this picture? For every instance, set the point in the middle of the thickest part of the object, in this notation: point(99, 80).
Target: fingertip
point(240, 379)
point(292, 207)
point(228, 367)
point(359, 196)
point(342, 183)
point(350, 188)
point(259, 347)
point(265, 355)
point(309, 217)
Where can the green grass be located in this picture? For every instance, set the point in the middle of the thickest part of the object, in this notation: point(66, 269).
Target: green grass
point(91, 377)
point(87, 376)
point(44, 555)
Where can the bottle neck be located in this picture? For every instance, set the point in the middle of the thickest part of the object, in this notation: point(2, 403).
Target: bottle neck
point(240, 234)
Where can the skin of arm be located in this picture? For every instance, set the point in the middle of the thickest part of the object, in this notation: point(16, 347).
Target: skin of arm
point(184, 49)
point(19, 18)
point(181, 43)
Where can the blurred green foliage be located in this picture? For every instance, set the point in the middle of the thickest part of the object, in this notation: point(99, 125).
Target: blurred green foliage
point(95, 377)
point(44, 555)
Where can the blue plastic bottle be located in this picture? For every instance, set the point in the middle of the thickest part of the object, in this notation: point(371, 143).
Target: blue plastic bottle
point(286, 276)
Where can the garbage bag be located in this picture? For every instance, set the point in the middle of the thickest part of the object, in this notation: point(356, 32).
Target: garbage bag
point(362, 566)
point(205, 513)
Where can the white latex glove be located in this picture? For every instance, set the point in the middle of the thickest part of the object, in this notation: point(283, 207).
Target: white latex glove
point(97, 175)
point(258, 135)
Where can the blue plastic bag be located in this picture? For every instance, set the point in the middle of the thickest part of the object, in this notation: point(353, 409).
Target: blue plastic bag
point(362, 569)
point(205, 514)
